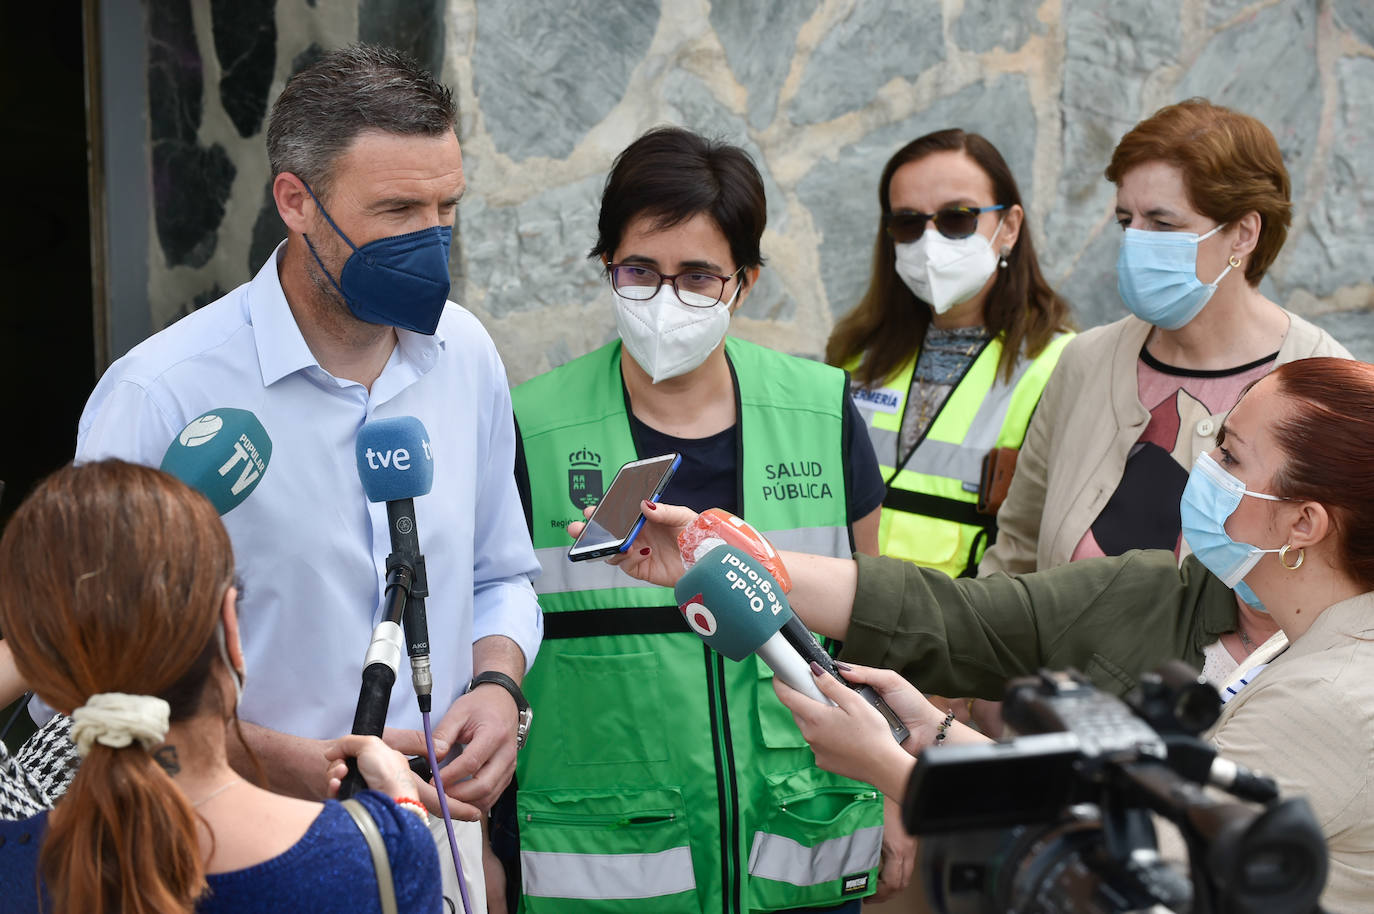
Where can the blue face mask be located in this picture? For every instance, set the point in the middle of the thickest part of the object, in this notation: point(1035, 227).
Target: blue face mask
point(401, 281)
point(1156, 274)
point(1211, 496)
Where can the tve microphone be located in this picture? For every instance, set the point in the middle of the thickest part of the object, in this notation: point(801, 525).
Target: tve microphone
point(223, 454)
point(395, 465)
point(735, 605)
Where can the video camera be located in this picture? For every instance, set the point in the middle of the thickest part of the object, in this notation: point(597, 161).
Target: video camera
point(1059, 819)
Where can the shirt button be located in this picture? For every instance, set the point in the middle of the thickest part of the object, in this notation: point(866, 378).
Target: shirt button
point(1206, 427)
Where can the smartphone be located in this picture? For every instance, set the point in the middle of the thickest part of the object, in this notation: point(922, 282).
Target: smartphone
point(615, 523)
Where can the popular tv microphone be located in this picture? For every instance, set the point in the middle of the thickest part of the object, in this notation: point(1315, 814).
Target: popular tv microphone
point(738, 609)
point(223, 454)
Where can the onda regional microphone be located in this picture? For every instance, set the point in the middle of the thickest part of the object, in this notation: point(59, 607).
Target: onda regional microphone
point(736, 606)
point(223, 454)
point(738, 609)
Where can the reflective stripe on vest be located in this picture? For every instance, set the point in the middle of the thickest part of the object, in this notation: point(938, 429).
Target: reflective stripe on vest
point(784, 860)
point(563, 576)
point(594, 876)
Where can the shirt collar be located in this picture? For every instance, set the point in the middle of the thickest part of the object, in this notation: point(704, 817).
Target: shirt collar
point(282, 349)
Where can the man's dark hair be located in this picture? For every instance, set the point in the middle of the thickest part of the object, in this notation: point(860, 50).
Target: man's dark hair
point(671, 174)
point(363, 87)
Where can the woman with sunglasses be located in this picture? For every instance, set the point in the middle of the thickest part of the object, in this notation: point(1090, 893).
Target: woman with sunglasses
point(1203, 200)
point(647, 725)
point(950, 346)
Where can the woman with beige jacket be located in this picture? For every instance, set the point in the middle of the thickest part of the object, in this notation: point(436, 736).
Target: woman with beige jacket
point(1203, 199)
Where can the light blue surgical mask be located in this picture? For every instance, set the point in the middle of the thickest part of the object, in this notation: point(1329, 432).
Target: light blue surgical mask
point(1211, 496)
point(1156, 275)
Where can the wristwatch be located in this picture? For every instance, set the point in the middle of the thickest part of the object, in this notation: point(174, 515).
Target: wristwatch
point(522, 727)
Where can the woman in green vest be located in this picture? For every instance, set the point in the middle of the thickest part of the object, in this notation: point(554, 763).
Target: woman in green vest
point(666, 778)
point(950, 346)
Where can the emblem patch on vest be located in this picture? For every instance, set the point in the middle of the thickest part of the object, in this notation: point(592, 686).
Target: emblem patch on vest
point(584, 478)
point(854, 885)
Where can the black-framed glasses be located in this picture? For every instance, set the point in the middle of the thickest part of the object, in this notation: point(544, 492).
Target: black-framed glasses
point(953, 222)
point(694, 288)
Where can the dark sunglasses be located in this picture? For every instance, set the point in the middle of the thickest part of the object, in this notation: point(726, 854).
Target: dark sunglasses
point(952, 222)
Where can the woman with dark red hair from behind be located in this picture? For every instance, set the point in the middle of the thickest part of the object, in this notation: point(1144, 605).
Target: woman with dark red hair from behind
point(117, 598)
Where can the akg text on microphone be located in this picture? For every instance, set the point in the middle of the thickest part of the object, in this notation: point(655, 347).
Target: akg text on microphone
point(223, 454)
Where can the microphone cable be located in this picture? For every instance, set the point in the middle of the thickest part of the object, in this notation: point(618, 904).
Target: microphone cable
point(443, 807)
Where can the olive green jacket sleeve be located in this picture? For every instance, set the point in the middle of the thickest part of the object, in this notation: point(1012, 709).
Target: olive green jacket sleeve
point(1111, 618)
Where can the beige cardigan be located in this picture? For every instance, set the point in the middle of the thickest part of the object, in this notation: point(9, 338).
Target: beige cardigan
point(1075, 451)
point(1307, 720)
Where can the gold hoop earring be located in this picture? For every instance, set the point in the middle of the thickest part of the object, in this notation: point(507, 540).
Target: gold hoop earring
point(1234, 261)
point(1283, 555)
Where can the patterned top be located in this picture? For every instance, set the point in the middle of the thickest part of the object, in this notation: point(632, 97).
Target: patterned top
point(1143, 512)
point(945, 357)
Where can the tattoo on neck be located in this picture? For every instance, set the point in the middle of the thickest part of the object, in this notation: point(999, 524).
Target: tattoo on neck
point(167, 758)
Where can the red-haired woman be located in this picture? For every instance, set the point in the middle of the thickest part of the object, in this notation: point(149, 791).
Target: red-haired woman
point(951, 345)
point(1283, 505)
point(1203, 199)
point(117, 598)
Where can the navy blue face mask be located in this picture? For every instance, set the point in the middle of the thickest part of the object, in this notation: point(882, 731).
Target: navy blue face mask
point(401, 281)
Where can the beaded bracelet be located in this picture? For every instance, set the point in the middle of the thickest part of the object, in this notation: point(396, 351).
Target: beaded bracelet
point(415, 806)
point(943, 730)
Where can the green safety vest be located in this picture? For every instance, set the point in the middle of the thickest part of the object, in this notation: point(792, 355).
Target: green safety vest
point(662, 776)
point(929, 513)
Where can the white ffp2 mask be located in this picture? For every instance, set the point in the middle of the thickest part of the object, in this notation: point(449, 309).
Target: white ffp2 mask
point(666, 337)
point(944, 272)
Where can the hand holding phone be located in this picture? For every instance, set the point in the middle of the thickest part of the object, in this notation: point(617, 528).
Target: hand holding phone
point(617, 519)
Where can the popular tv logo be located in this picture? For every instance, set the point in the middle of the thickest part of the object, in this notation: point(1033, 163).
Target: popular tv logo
point(698, 617)
point(201, 430)
point(245, 452)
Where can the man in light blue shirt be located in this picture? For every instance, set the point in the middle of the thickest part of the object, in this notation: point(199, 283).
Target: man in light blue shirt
point(323, 339)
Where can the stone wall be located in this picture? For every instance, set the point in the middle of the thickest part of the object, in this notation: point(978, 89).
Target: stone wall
point(820, 92)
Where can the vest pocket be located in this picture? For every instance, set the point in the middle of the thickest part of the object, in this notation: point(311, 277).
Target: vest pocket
point(819, 843)
point(610, 708)
point(628, 852)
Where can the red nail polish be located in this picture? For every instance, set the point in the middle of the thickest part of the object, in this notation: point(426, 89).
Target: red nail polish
point(644, 551)
point(651, 506)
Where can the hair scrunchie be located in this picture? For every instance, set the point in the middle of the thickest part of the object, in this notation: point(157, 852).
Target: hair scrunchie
point(116, 719)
